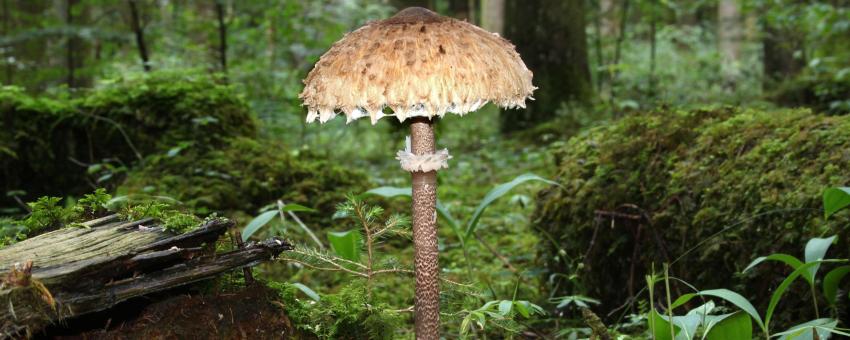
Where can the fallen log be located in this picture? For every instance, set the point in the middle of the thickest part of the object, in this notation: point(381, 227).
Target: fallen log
point(75, 271)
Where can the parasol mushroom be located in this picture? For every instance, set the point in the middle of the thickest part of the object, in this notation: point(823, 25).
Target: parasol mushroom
point(420, 65)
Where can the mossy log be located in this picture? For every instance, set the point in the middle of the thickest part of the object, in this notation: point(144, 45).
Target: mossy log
point(74, 271)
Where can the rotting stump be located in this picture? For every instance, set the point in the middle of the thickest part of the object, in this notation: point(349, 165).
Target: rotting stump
point(75, 271)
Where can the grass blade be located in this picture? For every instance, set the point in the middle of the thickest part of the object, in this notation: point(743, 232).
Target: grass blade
point(497, 192)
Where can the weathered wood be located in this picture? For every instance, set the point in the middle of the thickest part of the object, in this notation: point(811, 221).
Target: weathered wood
point(82, 270)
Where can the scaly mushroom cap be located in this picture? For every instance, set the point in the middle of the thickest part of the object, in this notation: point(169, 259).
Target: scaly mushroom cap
point(417, 63)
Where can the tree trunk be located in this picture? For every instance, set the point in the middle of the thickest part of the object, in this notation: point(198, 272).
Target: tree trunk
point(222, 38)
point(493, 15)
point(426, 265)
point(140, 35)
point(729, 34)
point(652, 46)
point(7, 30)
point(463, 10)
point(70, 41)
point(778, 47)
point(550, 36)
point(402, 4)
point(607, 15)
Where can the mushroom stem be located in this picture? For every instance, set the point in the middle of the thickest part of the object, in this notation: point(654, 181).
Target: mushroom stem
point(427, 294)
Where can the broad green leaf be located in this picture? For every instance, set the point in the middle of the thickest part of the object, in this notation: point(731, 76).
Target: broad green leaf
point(777, 294)
point(805, 331)
point(346, 244)
point(687, 324)
point(703, 310)
point(505, 307)
point(835, 199)
point(831, 281)
point(659, 326)
point(816, 249)
point(728, 295)
point(738, 326)
point(497, 192)
point(257, 223)
point(522, 309)
point(307, 291)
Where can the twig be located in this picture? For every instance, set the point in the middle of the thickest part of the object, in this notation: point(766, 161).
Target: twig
point(338, 269)
point(246, 271)
point(403, 310)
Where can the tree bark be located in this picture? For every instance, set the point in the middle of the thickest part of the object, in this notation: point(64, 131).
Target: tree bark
point(222, 38)
point(550, 36)
point(778, 48)
point(493, 15)
point(618, 46)
point(70, 44)
point(140, 35)
point(7, 30)
point(652, 46)
point(463, 10)
point(729, 34)
point(426, 265)
point(402, 4)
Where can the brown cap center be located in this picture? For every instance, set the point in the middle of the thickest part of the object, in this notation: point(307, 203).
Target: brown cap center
point(412, 15)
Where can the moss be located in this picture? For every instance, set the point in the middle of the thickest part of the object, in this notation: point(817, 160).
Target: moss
point(244, 176)
point(343, 315)
point(681, 177)
point(59, 146)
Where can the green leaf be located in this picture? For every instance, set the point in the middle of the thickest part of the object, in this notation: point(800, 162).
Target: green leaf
point(816, 249)
point(307, 291)
point(659, 327)
point(497, 192)
point(831, 281)
point(296, 208)
point(835, 199)
point(734, 327)
point(257, 223)
point(522, 308)
point(777, 294)
point(728, 295)
point(505, 307)
point(346, 244)
point(390, 192)
point(805, 331)
point(784, 258)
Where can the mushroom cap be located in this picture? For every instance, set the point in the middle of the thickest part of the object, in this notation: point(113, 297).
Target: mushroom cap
point(416, 63)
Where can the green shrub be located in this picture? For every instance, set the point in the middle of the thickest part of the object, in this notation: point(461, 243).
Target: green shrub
point(61, 146)
point(672, 180)
point(244, 176)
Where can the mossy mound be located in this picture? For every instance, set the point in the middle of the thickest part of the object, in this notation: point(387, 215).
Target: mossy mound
point(54, 146)
point(674, 179)
point(243, 176)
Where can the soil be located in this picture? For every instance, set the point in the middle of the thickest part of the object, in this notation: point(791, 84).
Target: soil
point(249, 313)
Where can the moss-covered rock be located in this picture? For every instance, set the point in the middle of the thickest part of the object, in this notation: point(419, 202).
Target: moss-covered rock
point(48, 146)
point(243, 176)
point(672, 180)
